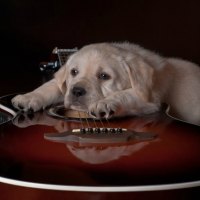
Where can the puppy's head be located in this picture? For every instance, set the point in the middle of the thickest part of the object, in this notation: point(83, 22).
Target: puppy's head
point(95, 72)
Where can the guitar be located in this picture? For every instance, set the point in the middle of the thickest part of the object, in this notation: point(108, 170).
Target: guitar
point(57, 59)
point(59, 149)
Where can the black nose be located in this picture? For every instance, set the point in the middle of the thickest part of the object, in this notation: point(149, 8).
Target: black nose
point(78, 91)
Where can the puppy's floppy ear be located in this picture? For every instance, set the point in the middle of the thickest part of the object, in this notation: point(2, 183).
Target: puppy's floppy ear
point(141, 76)
point(61, 77)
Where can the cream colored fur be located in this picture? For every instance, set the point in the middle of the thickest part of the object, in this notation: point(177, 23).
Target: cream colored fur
point(138, 82)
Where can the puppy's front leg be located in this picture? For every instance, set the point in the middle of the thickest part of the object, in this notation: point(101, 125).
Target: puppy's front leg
point(47, 94)
point(122, 103)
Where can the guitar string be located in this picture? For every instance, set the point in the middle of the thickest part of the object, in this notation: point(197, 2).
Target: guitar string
point(87, 121)
point(62, 56)
point(103, 125)
point(94, 121)
point(107, 121)
point(82, 124)
point(88, 125)
point(101, 122)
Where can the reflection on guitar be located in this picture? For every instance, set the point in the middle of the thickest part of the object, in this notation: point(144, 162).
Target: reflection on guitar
point(95, 152)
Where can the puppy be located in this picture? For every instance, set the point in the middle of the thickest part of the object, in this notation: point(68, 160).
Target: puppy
point(120, 79)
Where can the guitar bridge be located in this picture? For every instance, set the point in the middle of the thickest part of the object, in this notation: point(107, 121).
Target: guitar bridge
point(99, 136)
point(99, 130)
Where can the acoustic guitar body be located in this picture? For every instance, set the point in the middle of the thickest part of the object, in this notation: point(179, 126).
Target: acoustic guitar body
point(52, 150)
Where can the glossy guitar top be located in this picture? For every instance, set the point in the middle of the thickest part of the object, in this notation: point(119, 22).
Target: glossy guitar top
point(157, 152)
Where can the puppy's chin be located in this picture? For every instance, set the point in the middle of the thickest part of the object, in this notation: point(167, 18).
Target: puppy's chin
point(79, 108)
point(75, 106)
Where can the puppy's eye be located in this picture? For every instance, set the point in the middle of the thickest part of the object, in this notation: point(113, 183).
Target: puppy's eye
point(74, 72)
point(104, 76)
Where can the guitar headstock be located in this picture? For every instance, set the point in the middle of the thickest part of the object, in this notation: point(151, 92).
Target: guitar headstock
point(57, 59)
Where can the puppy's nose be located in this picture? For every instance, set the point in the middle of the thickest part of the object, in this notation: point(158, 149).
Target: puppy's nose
point(78, 91)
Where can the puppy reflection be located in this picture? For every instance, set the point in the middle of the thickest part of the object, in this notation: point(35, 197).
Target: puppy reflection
point(25, 120)
point(104, 154)
point(100, 148)
point(91, 148)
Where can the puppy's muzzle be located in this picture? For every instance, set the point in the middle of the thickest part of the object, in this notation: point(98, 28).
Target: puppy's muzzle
point(78, 91)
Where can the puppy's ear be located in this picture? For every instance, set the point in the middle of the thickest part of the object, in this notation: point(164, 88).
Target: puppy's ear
point(61, 77)
point(141, 77)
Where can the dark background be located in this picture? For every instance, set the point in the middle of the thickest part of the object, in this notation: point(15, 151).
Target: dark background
point(30, 29)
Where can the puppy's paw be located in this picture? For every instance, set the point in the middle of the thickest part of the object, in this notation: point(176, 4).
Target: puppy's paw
point(28, 102)
point(103, 109)
point(24, 120)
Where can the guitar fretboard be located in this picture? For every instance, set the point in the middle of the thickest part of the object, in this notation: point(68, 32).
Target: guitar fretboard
point(63, 54)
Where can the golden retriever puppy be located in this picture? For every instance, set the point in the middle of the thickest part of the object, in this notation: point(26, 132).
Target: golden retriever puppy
point(120, 79)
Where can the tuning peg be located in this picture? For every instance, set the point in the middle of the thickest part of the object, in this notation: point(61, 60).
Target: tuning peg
point(49, 66)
